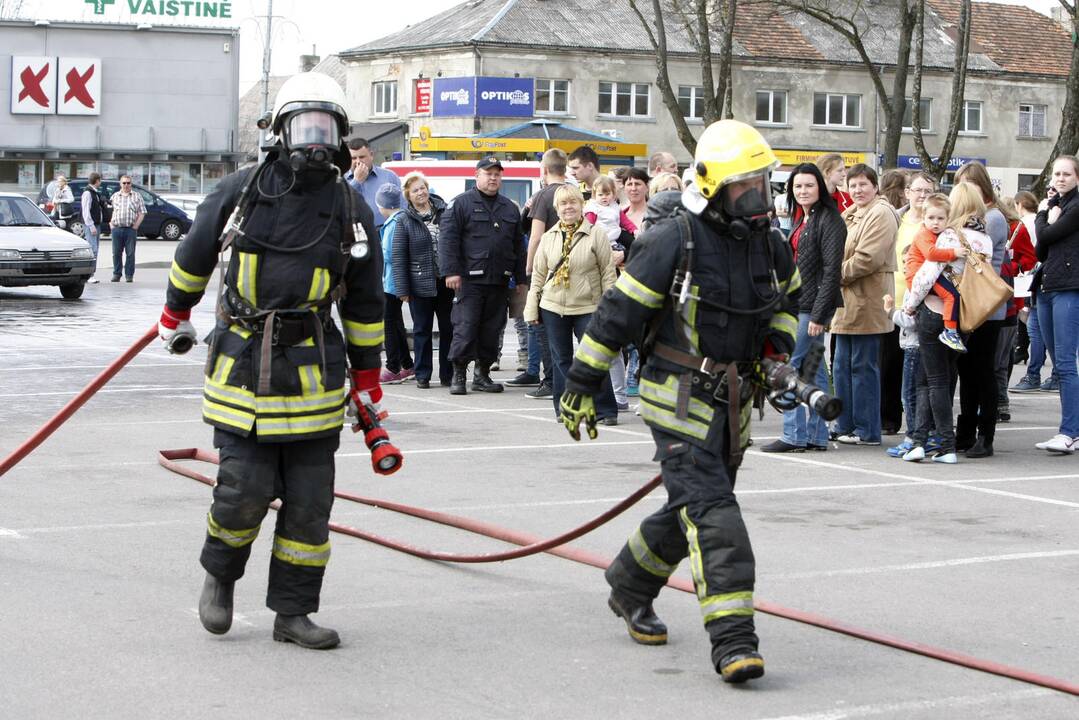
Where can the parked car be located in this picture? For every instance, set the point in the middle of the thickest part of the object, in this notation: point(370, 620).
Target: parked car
point(33, 251)
point(163, 219)
point(188, 203)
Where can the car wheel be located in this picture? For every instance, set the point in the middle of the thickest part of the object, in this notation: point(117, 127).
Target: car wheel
point(171, 230)
point(73, 291)
point(76, 227)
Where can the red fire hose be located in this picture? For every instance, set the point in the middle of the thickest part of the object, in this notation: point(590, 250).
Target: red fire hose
point(531, 545)
point(76, 402)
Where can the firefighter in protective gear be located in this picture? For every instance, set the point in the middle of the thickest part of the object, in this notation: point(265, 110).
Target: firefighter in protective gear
point(714, 289)
point(275, 387)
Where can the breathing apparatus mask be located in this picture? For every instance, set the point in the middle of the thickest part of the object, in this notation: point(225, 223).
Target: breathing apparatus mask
point(311, 138)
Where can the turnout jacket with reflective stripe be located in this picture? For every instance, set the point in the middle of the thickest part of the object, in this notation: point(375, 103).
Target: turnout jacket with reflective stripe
point(733, 273)
point(307, 396)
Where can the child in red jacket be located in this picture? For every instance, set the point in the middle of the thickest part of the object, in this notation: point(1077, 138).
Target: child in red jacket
point(924, 247)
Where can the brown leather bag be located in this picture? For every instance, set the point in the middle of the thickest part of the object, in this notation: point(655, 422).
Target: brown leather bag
point(981, 290)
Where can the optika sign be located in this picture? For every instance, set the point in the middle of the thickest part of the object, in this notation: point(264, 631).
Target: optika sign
point(168, 8)
point(516, 97)
point(458, 97)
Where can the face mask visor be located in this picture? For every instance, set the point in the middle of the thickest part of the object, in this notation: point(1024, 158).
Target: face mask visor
point(311, 128)
point(748, 196)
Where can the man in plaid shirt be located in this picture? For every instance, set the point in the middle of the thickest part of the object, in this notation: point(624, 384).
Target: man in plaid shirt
point(128, 212)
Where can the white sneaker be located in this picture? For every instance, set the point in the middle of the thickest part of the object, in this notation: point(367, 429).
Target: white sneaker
point(915, 454)
point(946, 458)
point(853, 439)
point(1060, 443)
point(93, 281)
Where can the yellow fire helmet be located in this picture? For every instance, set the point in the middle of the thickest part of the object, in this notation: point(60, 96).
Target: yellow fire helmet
point(729, 151)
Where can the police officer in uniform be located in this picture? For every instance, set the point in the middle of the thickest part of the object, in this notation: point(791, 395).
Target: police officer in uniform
point(715, 288)
point(275, 388)
point(479, 251)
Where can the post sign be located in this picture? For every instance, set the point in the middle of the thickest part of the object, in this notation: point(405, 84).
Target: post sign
point(914, 162)
point(79, 86)
point(33, 85)
point(455, 97)
point(421, 96)
point(504, 97)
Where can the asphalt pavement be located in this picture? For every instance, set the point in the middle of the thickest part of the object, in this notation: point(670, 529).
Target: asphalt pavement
point(100, 576)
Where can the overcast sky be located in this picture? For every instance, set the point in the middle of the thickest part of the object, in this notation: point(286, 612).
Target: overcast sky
point(328, 25)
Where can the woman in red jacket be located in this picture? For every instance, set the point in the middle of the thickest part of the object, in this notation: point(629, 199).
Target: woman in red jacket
point(1019, 257)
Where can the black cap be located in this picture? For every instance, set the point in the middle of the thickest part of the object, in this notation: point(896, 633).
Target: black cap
point(489, 162)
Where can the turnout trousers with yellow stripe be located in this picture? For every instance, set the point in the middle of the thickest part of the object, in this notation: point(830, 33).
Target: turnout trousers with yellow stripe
point(253, 474)
point(701, 520)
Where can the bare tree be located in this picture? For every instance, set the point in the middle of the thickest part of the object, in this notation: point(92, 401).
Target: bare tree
point(10, 9)
point(854, 21)
point(937, 167)
point(703, 22)
point(1068, 139)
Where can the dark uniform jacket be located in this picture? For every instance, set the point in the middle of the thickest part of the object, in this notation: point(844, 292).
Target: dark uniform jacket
point(480, 240)
point(414, 270)
point(307, 392)
point(733, 273)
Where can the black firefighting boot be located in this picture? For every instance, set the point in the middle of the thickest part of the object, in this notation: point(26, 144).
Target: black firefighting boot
point(300, 630)
point(740, 665)
point(641, 621)
point(457, 384)
point(481, 380)
point(215, 605)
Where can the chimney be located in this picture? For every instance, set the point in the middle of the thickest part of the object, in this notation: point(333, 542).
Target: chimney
point(308, 62)
point(1061, 17)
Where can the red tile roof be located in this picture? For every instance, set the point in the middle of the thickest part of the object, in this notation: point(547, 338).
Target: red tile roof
point(763, 32)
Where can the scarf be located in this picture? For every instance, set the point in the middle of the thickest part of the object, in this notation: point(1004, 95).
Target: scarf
point(568, 231)
point(976, 223)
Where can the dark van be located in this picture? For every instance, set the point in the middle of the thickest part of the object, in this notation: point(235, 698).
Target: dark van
point(163, 219)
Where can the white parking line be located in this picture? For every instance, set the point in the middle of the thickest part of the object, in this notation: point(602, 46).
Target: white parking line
point(13, 534)
point(99, 526)
point(489, 448)
point(905, 708)
point(180, 363)
point(104, 391)
point(923, 565)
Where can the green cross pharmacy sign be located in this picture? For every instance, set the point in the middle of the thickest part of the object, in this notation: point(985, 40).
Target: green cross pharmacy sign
point(168, 8)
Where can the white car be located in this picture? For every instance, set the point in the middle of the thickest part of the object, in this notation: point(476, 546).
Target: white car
point(188, 203)
point(33, 251)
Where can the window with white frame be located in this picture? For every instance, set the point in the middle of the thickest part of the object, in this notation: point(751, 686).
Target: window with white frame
point(971, 122)
point(384, 97)
point(624, 99)
point(1031, 120)
point(925, 106)
point(552, 96)
point(772, 107)
point(691, 100)
point(834, 110)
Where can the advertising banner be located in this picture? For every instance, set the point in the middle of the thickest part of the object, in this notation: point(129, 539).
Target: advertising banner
point(421, 96)
point(915, 163)
point(80, 86)
point(505, 97)
point(454, 97)
point(33, 85)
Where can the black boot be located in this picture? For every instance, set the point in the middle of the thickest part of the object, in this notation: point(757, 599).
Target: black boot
point(641, 621)
point(300, 630)
point(215, 605)
point(457, 384)
point(980, 449)
point(481, 380)
point(740, 665)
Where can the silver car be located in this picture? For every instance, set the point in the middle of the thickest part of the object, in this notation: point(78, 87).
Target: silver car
point(33, 251)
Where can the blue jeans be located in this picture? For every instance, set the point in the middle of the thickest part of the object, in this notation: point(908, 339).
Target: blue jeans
point(802, 425)
point(912, 363)
point(1058, 318)
point(1037, 347)
point(123, 242)
point(92, 235)
point(561, 330)
point(539, 351)
point(856, 375)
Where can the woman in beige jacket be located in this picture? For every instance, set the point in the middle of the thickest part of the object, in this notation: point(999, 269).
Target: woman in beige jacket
point(564, 294)
point(866, 276)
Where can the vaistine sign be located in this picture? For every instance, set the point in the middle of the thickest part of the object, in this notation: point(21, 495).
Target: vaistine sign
point(167, 8)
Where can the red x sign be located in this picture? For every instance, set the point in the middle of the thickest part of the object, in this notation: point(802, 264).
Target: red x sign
point(80, 86)
point(33, 85)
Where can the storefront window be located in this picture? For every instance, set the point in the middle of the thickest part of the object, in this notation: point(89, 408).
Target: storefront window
point(137, 171)
point(212, 174)
point(52, 169)
point(83, 169)
point(109, 171)
point(161, 178)
point(20, 176)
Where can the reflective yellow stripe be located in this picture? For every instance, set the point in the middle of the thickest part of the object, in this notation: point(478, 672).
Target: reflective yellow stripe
point(242, 332)
point(667, 394)
point(595, 354)
point(666, 419)
point(320, 285)
point(226, 415)
point(785, 323)
point(183, 280)
point(310, 379)
point(222, 368)
point(298, 553)
point(696, 557)
point(796, 281)
point(301, 425)
point(714, 607)
point(246, 277)
point(635, 290)
point(223, 392)
point(232, 538)
point(648, 559)
point(300, 404)
point(364, 334)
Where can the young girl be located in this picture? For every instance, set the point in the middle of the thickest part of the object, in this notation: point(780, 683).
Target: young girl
point(927, 249)
point(602, 211)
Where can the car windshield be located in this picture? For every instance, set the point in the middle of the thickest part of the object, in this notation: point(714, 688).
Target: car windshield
point(20, 212)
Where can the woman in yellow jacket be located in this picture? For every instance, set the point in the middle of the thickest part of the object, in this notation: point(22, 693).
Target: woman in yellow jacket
point(571, 271)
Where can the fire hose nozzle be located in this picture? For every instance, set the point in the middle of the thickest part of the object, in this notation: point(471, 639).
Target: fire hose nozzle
point(386, 459)
point(180, 344)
